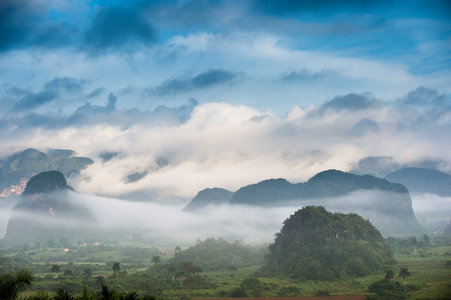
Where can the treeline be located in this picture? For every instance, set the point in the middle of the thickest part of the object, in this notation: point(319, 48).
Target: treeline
point(218, 254)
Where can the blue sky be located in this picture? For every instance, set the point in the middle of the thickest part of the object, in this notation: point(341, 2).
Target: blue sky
point(225, 92)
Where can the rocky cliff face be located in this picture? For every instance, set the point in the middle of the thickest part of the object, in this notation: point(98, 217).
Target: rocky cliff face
point(47, 211)
point(387, 205)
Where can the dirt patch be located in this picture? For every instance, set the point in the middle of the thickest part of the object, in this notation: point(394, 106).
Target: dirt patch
point(350, 297)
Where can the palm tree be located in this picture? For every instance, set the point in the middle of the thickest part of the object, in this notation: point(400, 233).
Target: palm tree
point(99, 280)
point(129, 296)
point(86, 294)
point(404, 273)
point(232, 268)
point(68, 272)
point(156, 259)
point(116, 268)
point(389, 274)
point(190, 269)
point(40, 295)
point(62, 294)
point(106, 294)
point(11, 285)
point(172, 269)
point(87, 272)
point(56, 269)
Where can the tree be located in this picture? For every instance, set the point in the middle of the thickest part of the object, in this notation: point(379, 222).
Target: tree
point(232, 268)
point(177, 249)
point(389, 274)
point(99, 280)
point(172, 269)
point(56, 269)
point(156, 259)
point(116, 268)
point(12, 285)
point(426, 239)
point(68, 272)
point(190, 269)
point(62, 294)
point(133, 295)
point(87, 272)
point(86, 294)
point(404, 273)
point(414, 242)
point(106, 294)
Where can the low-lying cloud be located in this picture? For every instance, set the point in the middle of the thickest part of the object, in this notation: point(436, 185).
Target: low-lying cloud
point(217, 144)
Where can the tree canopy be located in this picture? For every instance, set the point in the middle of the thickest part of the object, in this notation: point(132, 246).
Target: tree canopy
point(217, 254)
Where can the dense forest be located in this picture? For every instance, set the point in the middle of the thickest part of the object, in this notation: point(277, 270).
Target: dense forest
point(319, 245)
point(217, 254)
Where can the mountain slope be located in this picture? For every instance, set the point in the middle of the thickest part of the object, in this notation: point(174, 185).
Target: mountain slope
point(387, 205)
point(421, 180)
point(207, 197)
point(24, 165)
point(46, 211)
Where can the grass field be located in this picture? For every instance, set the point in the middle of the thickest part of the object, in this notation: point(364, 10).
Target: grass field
point(430, 277)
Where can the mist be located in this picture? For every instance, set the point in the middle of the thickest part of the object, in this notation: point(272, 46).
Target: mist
point(164, 222)
point(430, 206)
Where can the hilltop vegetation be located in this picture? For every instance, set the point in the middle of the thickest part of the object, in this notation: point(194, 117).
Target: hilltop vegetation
point(217, 254)
point(387, 205)
point(319, 245)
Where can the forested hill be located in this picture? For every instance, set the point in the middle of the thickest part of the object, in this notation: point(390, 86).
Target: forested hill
point(318, 245)
point(387, 205)
point(205, 197)
point(25, 164)
point(421, 180)
point(331, 183)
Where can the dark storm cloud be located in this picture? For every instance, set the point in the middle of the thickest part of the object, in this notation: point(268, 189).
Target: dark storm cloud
point(90, 114)
point(306, 74)
point(52, 90)
point(22, 25)
point(117, 28)
point(189, 83)
point(350, 102)
point(425, 97)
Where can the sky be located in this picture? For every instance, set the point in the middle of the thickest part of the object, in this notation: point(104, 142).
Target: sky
point(172, 97)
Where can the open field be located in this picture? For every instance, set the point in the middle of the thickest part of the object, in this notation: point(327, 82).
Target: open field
point(430, 275)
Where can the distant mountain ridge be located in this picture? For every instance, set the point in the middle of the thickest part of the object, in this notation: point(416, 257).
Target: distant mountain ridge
point(25, 164)
point(422, 180)
point(331, 183)
point(204, 197)
point(388, 205)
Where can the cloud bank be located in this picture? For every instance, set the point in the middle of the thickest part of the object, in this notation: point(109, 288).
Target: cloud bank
point(222, 145)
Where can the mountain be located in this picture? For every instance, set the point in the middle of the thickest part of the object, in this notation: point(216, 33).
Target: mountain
point(331, 183)
point(47, 211)
point(387, 205)
point(381, 166)
point(21, 166)
point(421, 180)
point(315, 244)
point(207, 197)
